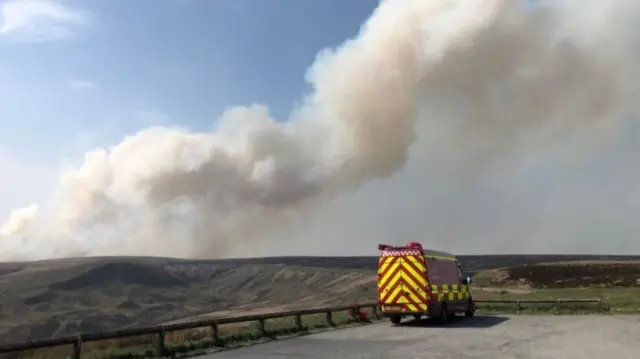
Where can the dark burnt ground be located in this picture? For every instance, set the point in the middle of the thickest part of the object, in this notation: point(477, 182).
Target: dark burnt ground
point(573, 275)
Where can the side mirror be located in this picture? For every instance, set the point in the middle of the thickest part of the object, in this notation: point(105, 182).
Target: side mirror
point(467, 280)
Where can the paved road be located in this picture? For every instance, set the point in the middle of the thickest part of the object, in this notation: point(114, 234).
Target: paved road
point(490, 337)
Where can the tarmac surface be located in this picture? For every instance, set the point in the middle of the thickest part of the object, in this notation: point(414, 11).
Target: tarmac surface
point(494, 337)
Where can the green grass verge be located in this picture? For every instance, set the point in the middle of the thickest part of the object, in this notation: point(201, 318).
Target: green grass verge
point(555, 309)
point(614, 300)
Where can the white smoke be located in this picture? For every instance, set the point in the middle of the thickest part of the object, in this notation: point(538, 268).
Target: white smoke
point(449, 95)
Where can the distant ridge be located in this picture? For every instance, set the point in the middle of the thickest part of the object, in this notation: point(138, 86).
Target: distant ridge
point(471, 263)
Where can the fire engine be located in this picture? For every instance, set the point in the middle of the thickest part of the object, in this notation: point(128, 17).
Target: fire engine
point(413, 281)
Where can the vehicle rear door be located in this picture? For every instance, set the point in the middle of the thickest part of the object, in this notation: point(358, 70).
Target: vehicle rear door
point(413, 282)
point(389, 283)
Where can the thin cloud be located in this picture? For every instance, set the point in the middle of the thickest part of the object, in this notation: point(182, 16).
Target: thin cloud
point(39, 20)
point(82, 85)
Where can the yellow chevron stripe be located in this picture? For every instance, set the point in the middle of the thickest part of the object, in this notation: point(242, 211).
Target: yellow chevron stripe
point(410, 285)
point(416, 261)
point(416, 276)
point(384, 263)
point(421, 307)
point(419, 264)
point(411, 308)
point(392, 294)
point(387, 273)
point(408, 276)
point(394, 281)
point(407, 279)
point(413, 276)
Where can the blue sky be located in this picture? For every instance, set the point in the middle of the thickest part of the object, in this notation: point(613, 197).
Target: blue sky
point(75, 75)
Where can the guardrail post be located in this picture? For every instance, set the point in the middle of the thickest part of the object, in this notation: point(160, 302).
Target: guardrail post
point(160, 343)
point(215, 333)
point(77, 347)
point(299, 321)
point(261, 326)
point(374, 311)
point(518, 306)
point(329, 318)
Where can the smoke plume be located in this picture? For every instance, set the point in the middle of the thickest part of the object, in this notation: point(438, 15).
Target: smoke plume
point(422, 127)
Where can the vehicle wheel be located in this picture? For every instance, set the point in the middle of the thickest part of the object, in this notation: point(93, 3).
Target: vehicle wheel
point(470, 310)
point(443, 318)
point(417, 317)
point(395, 320)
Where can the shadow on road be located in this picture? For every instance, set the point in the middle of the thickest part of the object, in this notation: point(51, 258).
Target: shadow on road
point(457, 322)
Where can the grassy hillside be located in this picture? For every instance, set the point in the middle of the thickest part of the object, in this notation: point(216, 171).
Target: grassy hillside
point(615, 282)
point(52, 298)
point(60, 297)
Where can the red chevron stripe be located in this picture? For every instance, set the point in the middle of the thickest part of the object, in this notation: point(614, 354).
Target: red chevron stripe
point(420, 297)
point(412, 265)
point(390, 278)
point(385, 297)
point(412, 276)
point(395, 298)
point(410, 300)
point(391, 260)
point(392, 288)
point(389, 265)
point(416, 298)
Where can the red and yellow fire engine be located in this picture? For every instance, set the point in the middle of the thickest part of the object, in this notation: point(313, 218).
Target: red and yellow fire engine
point(416, 282)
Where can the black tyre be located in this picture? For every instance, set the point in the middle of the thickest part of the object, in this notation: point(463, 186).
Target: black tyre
point(471, 310)
point(395, 320)
point(417, 317)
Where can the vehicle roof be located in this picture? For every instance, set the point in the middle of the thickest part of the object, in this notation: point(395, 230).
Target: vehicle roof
point(432, 253)
point(439, 254)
